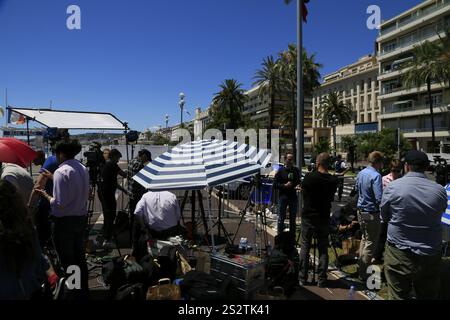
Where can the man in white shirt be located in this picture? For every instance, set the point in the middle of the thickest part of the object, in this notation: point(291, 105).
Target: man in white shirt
point(157, 216)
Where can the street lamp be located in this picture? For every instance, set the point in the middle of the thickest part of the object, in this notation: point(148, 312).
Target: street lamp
point(167, 125)
point(334, 122)
point(181, 104)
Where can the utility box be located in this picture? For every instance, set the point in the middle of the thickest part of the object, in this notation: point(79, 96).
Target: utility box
point(247, 271)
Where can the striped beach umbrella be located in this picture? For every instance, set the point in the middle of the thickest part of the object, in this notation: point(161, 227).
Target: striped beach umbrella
point(200, 164)
point(446, 215)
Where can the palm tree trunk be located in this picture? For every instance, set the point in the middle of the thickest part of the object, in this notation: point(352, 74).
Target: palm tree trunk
point(294, 122)
point(433, 138)
point(271, 112)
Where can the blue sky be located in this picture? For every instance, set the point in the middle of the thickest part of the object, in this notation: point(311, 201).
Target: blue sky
point(132, 58)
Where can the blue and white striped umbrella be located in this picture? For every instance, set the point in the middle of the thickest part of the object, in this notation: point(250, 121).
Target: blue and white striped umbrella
point(446, 215)
point(202, 163)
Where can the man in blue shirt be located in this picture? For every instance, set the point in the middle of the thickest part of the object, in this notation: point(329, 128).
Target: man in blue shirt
point(412, 207)
point(370, 189)
point(41, 218)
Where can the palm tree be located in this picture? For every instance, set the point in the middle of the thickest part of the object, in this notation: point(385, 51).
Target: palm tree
point(427, 67)
point(287, 65)
point(268, 78)
point(333, 105)
point(228, 104)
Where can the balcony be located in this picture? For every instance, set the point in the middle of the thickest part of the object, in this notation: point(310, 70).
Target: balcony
point(408, 107)
point(413, 41)
point(414, 17)
point(417, 130)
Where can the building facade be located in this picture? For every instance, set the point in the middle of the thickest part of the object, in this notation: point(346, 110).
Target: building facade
point(357, 85)
point(257, 107)
point(404, 108)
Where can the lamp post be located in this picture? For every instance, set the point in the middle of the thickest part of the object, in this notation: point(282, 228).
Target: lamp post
point(167, 126)
point(181, 104)
point(334, 122)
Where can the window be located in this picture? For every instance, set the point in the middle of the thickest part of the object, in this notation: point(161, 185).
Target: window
point(408, 39)
point(361, 118)
point(376, 116)
point(369, 117)
point(435, 98)
point(370, 84)
point(388, 47)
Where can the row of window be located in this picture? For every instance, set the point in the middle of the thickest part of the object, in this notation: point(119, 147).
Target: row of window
point(414, 37)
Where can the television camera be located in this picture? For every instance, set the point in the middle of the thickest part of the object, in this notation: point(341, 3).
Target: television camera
point(94, 161)
point(441, 170)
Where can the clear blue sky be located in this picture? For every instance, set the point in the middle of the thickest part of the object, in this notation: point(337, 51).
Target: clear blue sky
point(132, 58)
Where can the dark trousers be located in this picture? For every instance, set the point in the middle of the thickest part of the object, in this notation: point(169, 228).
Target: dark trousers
point(283, 204)
point(142, 233)
point(109, 206)
point(340, 187)
point(42, 222)
point(69, 235)
point(407, 272)
point(320, 229)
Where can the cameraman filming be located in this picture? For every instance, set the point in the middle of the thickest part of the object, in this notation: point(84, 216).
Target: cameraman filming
point(107, 190)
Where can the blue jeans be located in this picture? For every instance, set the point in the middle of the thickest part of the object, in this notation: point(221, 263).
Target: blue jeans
point(283, 203)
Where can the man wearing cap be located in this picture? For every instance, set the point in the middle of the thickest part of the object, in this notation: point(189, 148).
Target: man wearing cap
point(370, 189)
point(411, 210)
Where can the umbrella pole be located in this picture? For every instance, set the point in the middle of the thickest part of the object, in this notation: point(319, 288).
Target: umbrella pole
point(210, 221)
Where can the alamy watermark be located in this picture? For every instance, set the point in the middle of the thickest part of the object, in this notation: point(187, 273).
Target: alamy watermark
point(374, 20)
point(251, 137)
point(73, 22)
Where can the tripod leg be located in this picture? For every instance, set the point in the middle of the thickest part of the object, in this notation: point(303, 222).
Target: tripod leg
point(243, 212)
point(183, 203)
point(202, 210)
point(194, 226)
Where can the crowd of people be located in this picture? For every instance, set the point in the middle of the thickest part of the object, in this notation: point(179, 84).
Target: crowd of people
point(51, 213)
point(398, 216)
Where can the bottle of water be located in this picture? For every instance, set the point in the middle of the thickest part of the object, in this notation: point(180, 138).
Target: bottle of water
point(351, 293)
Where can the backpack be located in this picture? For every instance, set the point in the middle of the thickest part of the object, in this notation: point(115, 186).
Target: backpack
point(201, 286)
point(131, 292)
point(282, 271)
point(120, 271)
point(173, 262)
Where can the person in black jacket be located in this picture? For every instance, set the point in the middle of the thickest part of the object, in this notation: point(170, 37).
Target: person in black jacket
point(318, 190)
point(108, 187)
point(287, 179)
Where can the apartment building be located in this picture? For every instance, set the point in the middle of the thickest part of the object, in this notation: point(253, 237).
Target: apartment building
point(257, 107)
point(404, 108)
point(358, 86)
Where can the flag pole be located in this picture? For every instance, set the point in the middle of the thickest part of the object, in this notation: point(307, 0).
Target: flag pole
point(6, 107)
point(300, 111)
point(300, 98)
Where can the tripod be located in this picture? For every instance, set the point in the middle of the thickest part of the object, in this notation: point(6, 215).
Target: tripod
point(256, 194)
point(196, 194)
point(219, 222)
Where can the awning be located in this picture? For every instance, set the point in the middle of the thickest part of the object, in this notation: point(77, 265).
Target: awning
point(397, 62)
point(70, 119)
point(403, 102)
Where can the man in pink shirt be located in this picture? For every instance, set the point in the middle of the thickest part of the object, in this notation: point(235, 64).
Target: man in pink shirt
point(396, 170)
point(69, 209)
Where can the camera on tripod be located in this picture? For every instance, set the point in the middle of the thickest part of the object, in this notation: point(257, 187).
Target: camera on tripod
point(441, 170)
point(94, 160)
